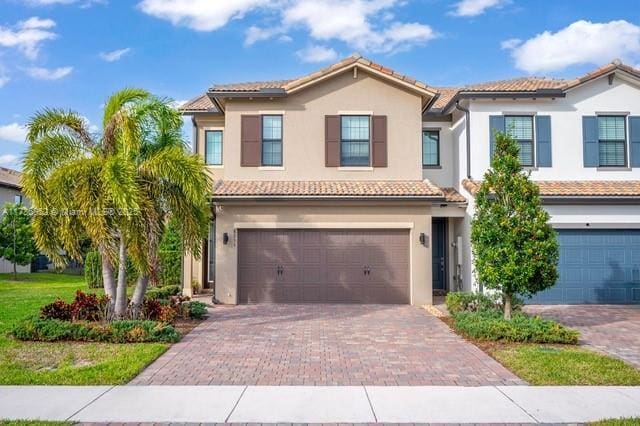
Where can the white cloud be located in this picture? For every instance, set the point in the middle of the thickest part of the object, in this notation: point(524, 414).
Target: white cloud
point(475, 7)
point(582, 42)
point(114, 55)
point(366, 25)
point(353, 23)
point(9, 160)
point(28, 35)
point(179, 103)
point(255, 34)
point(200, 15)
point(49, 73)
point(315, 54)
point(511, 43)
point(13, 132)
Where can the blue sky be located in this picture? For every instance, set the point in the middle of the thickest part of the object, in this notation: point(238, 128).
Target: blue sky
point(74, 53)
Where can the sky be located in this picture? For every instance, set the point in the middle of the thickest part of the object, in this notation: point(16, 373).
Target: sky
point(73, 54)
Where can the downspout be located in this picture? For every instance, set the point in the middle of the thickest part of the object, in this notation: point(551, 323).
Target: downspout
point(467, 123)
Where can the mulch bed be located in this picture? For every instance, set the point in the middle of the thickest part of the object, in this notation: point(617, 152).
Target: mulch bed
point(184, 326)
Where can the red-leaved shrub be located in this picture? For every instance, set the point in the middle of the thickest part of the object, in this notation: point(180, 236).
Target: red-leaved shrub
point(59, 310)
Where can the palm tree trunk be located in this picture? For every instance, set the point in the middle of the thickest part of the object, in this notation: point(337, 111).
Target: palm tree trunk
point(121, 289)
point(507, 306)
point(108, 280)
point(138, 294)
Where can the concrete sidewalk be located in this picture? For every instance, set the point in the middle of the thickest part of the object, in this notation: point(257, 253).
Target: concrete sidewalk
point(319, 404)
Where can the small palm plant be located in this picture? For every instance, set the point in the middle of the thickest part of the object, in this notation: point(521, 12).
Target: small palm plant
point(118, 188)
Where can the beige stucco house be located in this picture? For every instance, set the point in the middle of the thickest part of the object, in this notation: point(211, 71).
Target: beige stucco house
point(356, 183)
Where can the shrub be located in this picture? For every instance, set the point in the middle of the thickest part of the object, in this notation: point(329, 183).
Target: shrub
point(170, 267)
point(163, 293)
point(468, 302)
point(491, 325)
point(88, 307)
point(59, 310)
point(195, 287)
point(197, 310)
point(151, 309)
point(167, 313)
point(51, 330)
point(93, 270)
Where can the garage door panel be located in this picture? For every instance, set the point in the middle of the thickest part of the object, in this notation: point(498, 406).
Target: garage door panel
point(323, 266)
point(596, 266)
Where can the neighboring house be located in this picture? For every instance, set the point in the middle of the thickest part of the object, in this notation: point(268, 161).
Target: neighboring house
point(356, 183)
point(11, 192)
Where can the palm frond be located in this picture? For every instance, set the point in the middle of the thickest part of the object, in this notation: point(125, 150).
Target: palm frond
point(54, 120)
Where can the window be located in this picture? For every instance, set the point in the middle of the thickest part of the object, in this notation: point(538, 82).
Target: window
point(612, 140)
point(213, 147)
point(17, 199)
point(272, 140)
point(430, 148)
point(521, 129)
point(354, 140)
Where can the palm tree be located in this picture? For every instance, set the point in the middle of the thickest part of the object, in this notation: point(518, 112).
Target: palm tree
point(117, 188)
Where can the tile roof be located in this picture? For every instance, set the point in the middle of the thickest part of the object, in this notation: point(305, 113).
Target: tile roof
point(296, 82)
point(201, 103)
point(530, 84)
point(249, 86)
point(374, 189)
point(9, 177)
point(577, 188)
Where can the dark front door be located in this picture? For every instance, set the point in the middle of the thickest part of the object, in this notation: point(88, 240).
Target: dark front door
point(439, 252)
point(323, 266)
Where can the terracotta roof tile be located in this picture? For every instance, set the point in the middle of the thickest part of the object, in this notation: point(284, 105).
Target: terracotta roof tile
point(418, 189)
point(524, 84)
point(250, 86)
point(577, 188)
point(445, 94)
point(201, 103)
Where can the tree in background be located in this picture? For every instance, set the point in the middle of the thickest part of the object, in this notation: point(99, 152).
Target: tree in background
point(118, 188)
point(170, 256)
point(515, 249)
point(17, 244)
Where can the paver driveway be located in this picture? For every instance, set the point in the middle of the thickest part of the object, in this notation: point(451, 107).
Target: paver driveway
point(612, 329)
point(324, 345)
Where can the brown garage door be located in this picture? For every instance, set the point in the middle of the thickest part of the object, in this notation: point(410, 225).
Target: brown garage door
point(323, 266)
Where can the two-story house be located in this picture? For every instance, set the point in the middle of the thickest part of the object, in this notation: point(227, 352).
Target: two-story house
point(356, 183)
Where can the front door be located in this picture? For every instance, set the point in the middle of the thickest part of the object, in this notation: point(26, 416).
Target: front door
point(439, 252)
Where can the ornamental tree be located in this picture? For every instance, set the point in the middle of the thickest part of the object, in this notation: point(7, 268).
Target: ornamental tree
point(515, 249)
point(17, 244)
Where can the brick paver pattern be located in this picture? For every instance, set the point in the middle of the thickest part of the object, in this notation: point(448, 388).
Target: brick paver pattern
point(324, 345)
point(609, 329)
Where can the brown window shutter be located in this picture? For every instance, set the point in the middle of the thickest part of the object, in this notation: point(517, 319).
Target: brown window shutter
point(332, 140)
point(379, 141)
point(250, 138)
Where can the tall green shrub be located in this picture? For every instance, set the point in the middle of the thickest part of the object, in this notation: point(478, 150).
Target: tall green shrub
point(17, 243)
point(93, 270)
point(515, 249)
point(170, 256)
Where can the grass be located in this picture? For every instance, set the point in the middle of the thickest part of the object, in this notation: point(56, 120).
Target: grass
point(564, 365)
point(64, 363)
point(31, 423)
point(631, 421)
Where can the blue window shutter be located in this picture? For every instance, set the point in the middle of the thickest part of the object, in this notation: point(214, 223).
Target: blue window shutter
point(590, 141)
point(543, 140)
point(634, 139)
point(496, 124)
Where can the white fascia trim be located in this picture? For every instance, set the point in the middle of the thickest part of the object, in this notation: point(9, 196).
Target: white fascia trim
point(323, 225)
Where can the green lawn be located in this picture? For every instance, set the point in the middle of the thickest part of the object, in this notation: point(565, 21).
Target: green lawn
point(64, 363)
point(564, 365)
point(635, 421)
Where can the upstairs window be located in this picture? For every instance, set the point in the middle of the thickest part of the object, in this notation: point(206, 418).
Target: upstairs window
point(213, 147)
point(520, 128)
point(612, 140)
point(272, 140)
point(430, 148)
point(354, 140)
